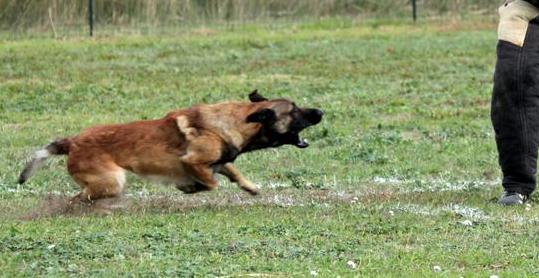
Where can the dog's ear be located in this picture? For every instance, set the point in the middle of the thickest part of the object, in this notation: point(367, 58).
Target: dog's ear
point(254, 96)
point(264, 116)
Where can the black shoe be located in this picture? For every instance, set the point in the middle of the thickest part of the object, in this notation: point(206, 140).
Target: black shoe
point(510, 198)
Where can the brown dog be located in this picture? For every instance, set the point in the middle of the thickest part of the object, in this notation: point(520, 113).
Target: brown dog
point(185, 148)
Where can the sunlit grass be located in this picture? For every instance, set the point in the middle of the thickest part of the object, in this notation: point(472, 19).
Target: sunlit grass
point(405, 147)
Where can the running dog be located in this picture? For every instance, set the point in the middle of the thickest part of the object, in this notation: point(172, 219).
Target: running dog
point(186, 148)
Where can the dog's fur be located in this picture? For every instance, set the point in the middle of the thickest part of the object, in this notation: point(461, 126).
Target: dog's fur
point(185, 148)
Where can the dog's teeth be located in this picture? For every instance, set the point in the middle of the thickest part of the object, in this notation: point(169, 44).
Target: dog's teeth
point(302, 143)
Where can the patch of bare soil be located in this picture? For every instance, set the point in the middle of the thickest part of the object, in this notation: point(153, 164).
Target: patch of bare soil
point(59, 205)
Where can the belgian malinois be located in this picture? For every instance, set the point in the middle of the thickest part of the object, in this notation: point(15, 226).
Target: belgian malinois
point(186, 148)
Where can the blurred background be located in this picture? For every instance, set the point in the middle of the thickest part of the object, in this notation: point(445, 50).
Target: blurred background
point(71, 17)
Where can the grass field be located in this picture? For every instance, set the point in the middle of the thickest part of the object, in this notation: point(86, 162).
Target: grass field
point(401, 177)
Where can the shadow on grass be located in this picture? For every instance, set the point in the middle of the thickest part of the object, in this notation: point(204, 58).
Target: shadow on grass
point(60, 205)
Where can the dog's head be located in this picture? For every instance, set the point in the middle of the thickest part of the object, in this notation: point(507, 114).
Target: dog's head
point(282, 121)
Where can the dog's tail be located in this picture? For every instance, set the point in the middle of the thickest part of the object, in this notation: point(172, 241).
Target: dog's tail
point(58, 147)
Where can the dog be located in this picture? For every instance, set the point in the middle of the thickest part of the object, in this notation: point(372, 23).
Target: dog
point(186, 148)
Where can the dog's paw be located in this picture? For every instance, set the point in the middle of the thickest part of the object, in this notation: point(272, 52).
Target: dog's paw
point(192, 188)
point(186, 188)
point(251, 190)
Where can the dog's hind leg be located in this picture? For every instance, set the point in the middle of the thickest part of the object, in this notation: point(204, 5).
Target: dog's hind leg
point(101, 190)
point(97, 185)
point(231, 172)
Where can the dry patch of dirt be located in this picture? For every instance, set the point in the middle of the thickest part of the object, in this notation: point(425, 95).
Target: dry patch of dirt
point(60, 205)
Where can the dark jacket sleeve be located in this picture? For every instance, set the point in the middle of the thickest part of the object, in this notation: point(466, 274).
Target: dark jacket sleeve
point(533, 2)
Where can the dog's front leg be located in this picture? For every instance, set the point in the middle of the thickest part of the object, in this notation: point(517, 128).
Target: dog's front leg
point(231, 172)
point(203, 174)
point(201, 154)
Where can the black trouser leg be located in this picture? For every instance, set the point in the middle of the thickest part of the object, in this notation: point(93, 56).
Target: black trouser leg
point(515, 110)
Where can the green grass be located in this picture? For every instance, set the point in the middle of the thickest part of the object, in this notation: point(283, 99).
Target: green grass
point(404, 156)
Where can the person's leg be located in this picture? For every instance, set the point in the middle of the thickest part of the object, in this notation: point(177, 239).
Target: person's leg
point(515, 100)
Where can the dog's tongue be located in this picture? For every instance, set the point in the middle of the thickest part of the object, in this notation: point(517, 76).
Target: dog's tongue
point(302, 143)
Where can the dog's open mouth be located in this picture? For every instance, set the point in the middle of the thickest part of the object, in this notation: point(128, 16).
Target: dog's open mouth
point(301, 142)
point(293, 138)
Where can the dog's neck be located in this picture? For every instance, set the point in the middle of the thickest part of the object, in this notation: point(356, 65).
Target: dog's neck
point(227, 120)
